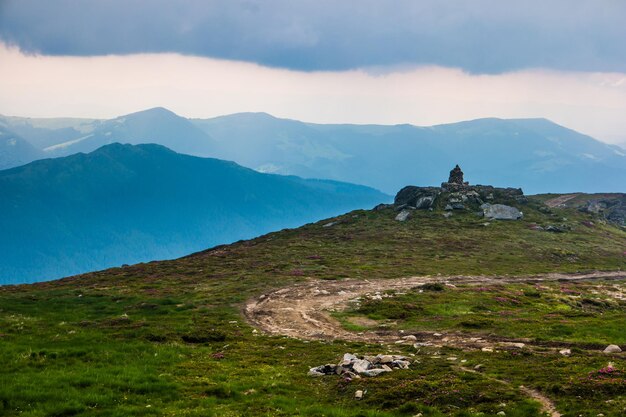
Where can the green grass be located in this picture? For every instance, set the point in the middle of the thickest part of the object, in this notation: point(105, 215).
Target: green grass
point(576, 312)
point(167, 338)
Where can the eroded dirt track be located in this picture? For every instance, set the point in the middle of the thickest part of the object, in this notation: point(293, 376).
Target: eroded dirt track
point(303, 310)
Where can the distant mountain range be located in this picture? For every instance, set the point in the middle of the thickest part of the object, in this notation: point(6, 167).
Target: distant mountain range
point(128, 204)
point(535, 154)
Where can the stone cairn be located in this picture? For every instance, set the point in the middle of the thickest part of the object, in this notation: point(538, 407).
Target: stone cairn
point(455, 181)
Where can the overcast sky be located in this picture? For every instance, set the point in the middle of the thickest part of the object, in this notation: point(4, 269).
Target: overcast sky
point(360, 61)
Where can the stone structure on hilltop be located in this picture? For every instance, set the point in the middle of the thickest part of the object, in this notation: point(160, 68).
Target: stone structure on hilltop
point(458, 195)
point(456, 176)
point(455, 181)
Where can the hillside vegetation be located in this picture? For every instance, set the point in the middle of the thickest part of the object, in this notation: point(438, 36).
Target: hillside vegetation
point(168, 338)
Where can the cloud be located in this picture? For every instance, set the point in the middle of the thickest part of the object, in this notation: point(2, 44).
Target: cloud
point(108, 86)
point(479, 36)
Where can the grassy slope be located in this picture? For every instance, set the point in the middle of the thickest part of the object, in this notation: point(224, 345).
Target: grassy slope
point(166, 338)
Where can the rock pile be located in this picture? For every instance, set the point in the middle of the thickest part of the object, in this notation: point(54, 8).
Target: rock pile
point(352, 366)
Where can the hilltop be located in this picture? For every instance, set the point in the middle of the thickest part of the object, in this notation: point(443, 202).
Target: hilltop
point(166, 337)
point(123, 204)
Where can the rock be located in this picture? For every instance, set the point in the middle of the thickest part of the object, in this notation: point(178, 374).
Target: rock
point(518, 345)
point(447, 214)
point(501, 212)
point(410, 337)
point(403, 215)
point(348, 358)
point(418, 197)
point(487, 349)
point(448, 207)
point(612, 349)
point(554, 229)
point(330, 224)
point(384, 358)
point(358, 394)
point(565, 352)
point(360, 365)
point(501, 413)
point(373, 372)
point(386, 368)
point(328, 369)
point(401, 364)
point(382, 207)
point(479, 367)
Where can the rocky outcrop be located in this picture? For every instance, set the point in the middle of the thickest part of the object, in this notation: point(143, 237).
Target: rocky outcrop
point(611, 207)
point(417, 197)
point(457, 195)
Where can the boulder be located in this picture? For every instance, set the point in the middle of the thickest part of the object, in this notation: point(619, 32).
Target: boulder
point(418, 197)
point(403, 215)
point(501, 212)
point(612, 349)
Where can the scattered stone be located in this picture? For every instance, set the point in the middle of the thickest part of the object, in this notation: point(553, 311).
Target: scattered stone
point(565, 352)
point(479, 367)
point(501, 413)
point(403, 215)
point(518, 345)
point(330, 224)
point(501, 212)
point(358, 394)
point(352, 366)
point(554, 229)
point(410, 337)
point(447, 214)
point(487, 349)
point(452, 358)
point(612, 349)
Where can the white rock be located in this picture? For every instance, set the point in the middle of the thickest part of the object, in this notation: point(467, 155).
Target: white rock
point(565, 352)
point(612, 349)
point(358, 395)
point(360, 365)
point(410, 337)
point(403, 215)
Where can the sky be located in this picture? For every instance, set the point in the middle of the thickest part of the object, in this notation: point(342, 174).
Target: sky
point(356, 61)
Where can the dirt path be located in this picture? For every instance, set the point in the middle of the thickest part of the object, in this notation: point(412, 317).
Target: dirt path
point(562, 199)
point(303, 311)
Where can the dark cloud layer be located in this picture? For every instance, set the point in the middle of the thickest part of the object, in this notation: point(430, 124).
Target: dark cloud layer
point(483, 36)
